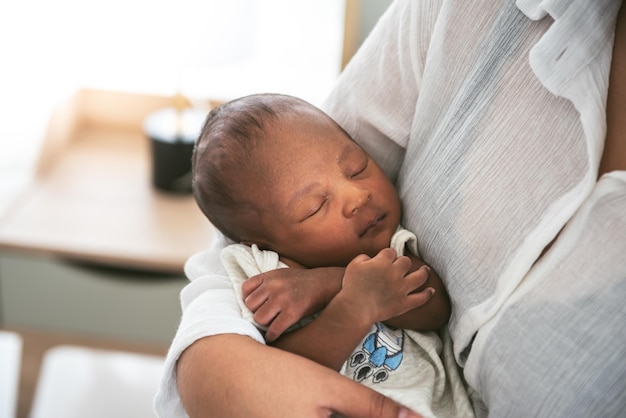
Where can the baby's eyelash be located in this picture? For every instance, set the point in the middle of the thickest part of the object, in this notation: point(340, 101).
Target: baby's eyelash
point(362, 169)
point(317, 209)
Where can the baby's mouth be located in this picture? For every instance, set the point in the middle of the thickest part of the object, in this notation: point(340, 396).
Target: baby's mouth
point(372, 224)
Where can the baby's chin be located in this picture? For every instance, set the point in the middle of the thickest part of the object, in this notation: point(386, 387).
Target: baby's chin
point(382, 241)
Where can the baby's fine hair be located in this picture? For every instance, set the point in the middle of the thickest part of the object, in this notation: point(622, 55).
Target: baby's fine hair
point(226, 147)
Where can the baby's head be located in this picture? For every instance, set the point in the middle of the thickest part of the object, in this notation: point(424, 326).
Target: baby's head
point(278, 172)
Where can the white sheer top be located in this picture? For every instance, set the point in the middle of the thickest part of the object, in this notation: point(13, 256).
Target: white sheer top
point(470, 106)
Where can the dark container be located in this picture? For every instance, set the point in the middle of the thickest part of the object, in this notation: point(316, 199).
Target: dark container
point(172, 134)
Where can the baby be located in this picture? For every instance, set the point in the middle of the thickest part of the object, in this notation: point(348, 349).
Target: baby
point(283, 180)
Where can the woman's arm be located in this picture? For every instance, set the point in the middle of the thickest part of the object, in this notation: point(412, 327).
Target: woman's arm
point(614, 156)
point(228, 376)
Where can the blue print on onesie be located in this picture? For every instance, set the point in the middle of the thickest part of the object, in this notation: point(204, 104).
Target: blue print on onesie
point(380, 354)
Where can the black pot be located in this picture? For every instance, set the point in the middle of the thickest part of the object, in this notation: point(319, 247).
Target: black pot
point(172, 135)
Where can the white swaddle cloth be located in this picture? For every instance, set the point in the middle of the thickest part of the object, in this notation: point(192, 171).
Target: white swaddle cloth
point(242, 262)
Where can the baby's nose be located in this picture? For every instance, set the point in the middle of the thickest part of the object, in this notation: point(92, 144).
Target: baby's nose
point(355, 199)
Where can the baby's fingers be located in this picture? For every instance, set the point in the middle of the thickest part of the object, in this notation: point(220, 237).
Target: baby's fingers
point(279, 325)
point(418, 278)
point(266, 313)
point(420, 298)
point(251, 285)
point(403, 263)
point(255, 300)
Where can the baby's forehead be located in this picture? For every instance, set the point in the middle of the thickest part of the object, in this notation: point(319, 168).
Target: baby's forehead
point(302, 138)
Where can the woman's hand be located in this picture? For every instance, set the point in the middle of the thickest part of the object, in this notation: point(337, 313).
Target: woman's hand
point(280, 298)
point(254, 380)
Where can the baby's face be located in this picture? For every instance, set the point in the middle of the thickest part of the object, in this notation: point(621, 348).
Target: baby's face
point(326, 201)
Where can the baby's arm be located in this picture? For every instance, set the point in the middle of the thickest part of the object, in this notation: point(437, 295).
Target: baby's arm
point(373, 290)
point(280, 298)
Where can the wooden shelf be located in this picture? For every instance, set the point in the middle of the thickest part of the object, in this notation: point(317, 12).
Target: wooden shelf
point(92, 199)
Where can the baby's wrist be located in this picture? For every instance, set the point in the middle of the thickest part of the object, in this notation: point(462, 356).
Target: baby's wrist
point(332, 282)
point(351, 309)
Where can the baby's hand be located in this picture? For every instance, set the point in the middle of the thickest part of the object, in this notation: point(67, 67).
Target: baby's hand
point(381, 286)
point(280, 298)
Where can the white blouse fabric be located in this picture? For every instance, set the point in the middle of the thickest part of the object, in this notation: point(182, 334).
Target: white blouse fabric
point(490, 118)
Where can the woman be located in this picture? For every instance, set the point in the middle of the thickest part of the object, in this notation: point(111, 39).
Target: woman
point(494, 122)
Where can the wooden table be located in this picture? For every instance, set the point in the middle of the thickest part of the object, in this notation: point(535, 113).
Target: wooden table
point(92, 198)
point(92, 201)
